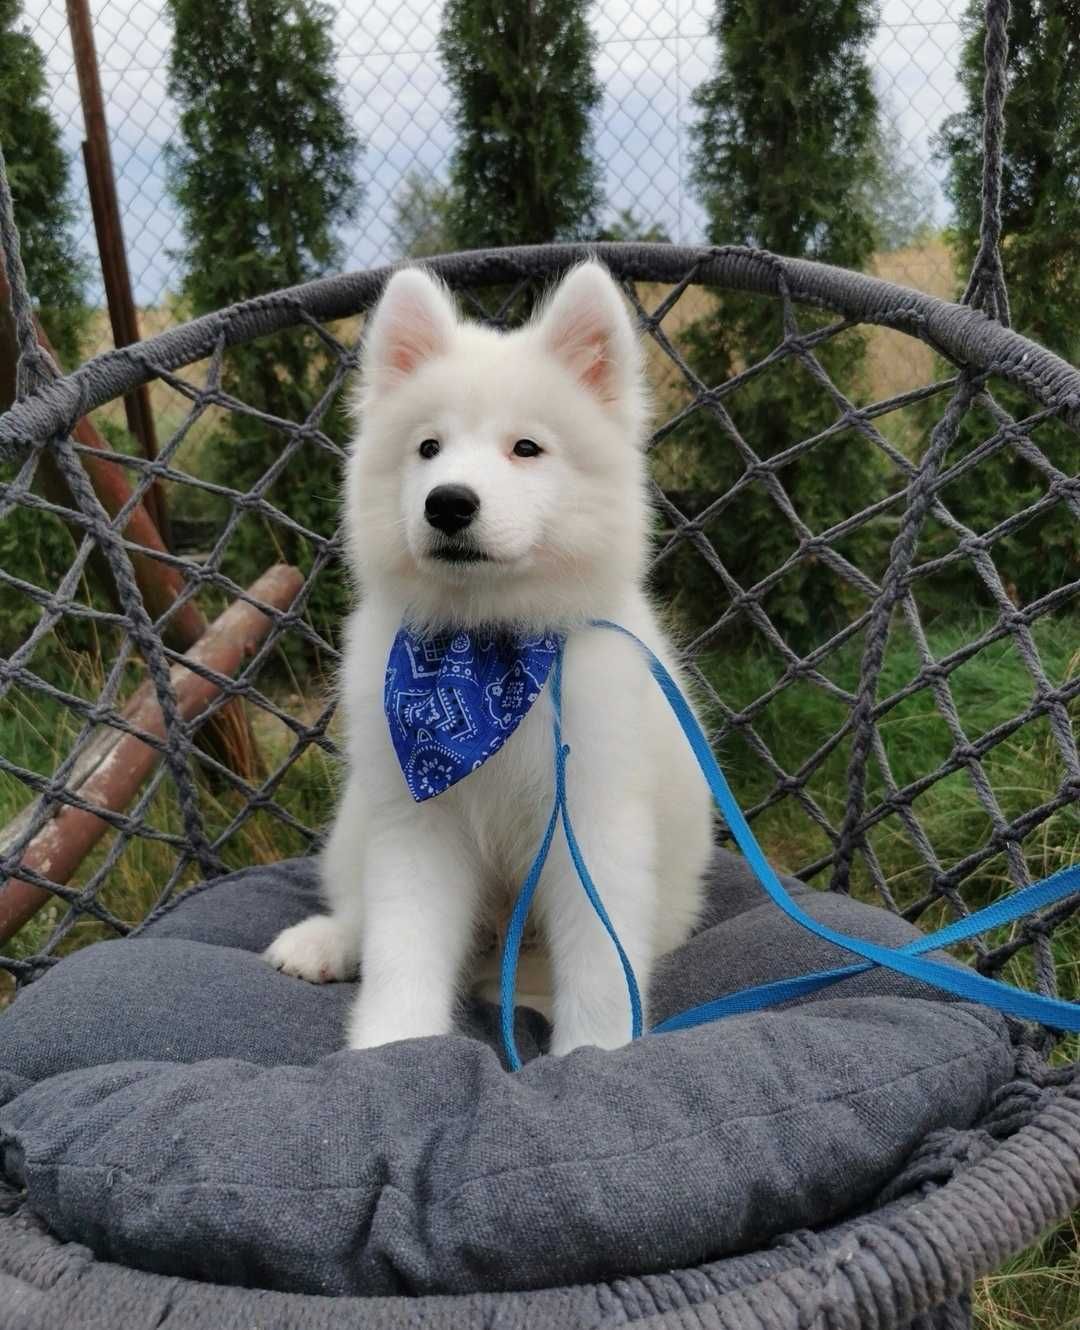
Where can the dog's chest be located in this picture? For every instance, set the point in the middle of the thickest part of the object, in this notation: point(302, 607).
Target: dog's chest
point(505, 804)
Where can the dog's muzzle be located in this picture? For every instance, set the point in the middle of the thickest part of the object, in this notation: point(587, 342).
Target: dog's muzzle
point(450, 508)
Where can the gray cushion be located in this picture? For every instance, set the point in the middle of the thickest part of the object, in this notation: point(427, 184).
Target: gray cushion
point(176, 1105)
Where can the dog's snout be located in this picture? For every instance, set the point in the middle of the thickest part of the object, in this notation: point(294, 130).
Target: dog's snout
point(450, 508)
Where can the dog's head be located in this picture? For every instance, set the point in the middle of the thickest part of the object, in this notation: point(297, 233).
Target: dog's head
point(499, 476)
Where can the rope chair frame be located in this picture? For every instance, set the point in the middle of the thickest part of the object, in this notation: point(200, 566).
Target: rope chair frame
point(978, 347)
point(967, 1200)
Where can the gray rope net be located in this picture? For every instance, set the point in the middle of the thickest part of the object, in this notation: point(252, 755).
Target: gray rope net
point(203, 785)
point(196, 816)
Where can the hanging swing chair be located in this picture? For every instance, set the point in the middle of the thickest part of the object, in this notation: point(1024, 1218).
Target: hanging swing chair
point(182, 1140)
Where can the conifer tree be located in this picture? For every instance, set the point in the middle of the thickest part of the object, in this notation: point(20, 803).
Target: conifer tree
point(788, 126)
point(263, 173)
point(786, 146)
point(1040, 200)
point(525, 90)
point(35, 547)
point(40, 187)
point(1040, 212)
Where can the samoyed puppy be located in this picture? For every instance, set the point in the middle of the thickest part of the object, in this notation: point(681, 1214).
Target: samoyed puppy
point(497, 480)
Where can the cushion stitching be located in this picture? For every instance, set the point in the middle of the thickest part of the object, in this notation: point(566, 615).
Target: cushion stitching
point(577, 1162)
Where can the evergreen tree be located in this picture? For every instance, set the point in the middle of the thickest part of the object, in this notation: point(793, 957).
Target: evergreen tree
point(899, 194)
point(40, 187)
point(626, 225)
point(788, 128)
point(1040, 198)
point(36, 547)
point(1040, 209)
point(786, 147)
point(525, 90)
point(263, 175)
point(421, 226)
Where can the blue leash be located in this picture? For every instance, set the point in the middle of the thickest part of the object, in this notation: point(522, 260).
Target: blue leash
point(1055, 1013)
point(512, 944)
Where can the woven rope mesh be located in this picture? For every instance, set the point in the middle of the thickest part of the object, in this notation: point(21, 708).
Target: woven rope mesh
point(932, 831)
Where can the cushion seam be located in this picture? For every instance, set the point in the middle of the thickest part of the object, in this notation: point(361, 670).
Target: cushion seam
point(576, 1162)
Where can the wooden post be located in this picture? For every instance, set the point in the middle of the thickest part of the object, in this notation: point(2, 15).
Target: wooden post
point(229, 735)
point(115, 764)
point(110, 239)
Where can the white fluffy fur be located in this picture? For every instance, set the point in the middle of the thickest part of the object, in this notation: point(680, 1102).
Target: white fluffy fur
point(410, 887)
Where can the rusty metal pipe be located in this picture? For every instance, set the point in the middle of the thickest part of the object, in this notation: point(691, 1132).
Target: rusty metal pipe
point(229, 735)
point(159, 583)
point(121, 763)
point(105, 208)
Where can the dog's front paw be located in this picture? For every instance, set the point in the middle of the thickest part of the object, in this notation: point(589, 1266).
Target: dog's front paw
point(566, 1042)
point(605, 1027)
point(318, 950)
point(374, 1023)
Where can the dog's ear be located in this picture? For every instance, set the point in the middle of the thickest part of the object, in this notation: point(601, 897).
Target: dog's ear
point(586, 325)
point(413, 323)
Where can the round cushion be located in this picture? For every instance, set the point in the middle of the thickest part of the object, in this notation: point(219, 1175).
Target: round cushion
point(176, 1105)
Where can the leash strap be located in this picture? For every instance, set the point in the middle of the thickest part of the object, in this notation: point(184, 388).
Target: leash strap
point(1055, 1013)
point(1010, 908)
point(516, 928)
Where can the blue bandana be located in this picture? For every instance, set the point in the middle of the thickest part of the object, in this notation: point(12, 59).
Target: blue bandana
point(452, 700)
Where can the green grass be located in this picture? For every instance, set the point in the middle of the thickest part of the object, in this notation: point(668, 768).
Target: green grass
point(1041, 1288)
point(991, 688)
point(988, 690)
point(35, 732)
point(1024, 771)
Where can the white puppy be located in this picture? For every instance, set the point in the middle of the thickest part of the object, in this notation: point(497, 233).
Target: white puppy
point(536, 435)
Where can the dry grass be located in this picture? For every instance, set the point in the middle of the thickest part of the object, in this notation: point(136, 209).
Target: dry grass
point(1039, 1290)
point(896, 362)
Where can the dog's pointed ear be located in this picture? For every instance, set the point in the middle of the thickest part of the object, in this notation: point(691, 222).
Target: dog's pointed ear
point(586, 325)
point(413, 323)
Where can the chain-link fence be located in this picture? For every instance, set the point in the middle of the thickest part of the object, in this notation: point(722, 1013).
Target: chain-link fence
point(651, 57)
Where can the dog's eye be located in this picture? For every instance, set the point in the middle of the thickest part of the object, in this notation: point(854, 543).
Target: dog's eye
point(429, 448)
point(526, 448)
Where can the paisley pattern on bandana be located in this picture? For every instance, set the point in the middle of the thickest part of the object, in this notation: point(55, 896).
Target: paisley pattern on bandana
point(453, 699)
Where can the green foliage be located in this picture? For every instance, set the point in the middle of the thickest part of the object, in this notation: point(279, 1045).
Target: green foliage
point(38, 550)
point(753, 536)
point(786, 151)
point(263, 174)
point(524, 87)
point(626, 225)
point(34, 548)
point(788, 128)
point(1040, 201)
point(40, 187)
point(421, 225)
point(1040, 208)
point(899, 194)
point(989, 689)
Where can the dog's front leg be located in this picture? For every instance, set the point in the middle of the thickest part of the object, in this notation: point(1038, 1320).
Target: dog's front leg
point(421, 888)
point(591, 1004)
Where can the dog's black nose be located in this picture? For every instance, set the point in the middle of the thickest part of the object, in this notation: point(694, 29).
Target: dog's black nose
point(450, 508)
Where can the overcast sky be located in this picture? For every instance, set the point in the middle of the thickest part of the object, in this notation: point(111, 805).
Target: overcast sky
point(652, 54)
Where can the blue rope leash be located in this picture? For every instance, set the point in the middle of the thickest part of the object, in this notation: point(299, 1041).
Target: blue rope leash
point(1056, 1013)
point(516, 928)
point(1005, 911)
